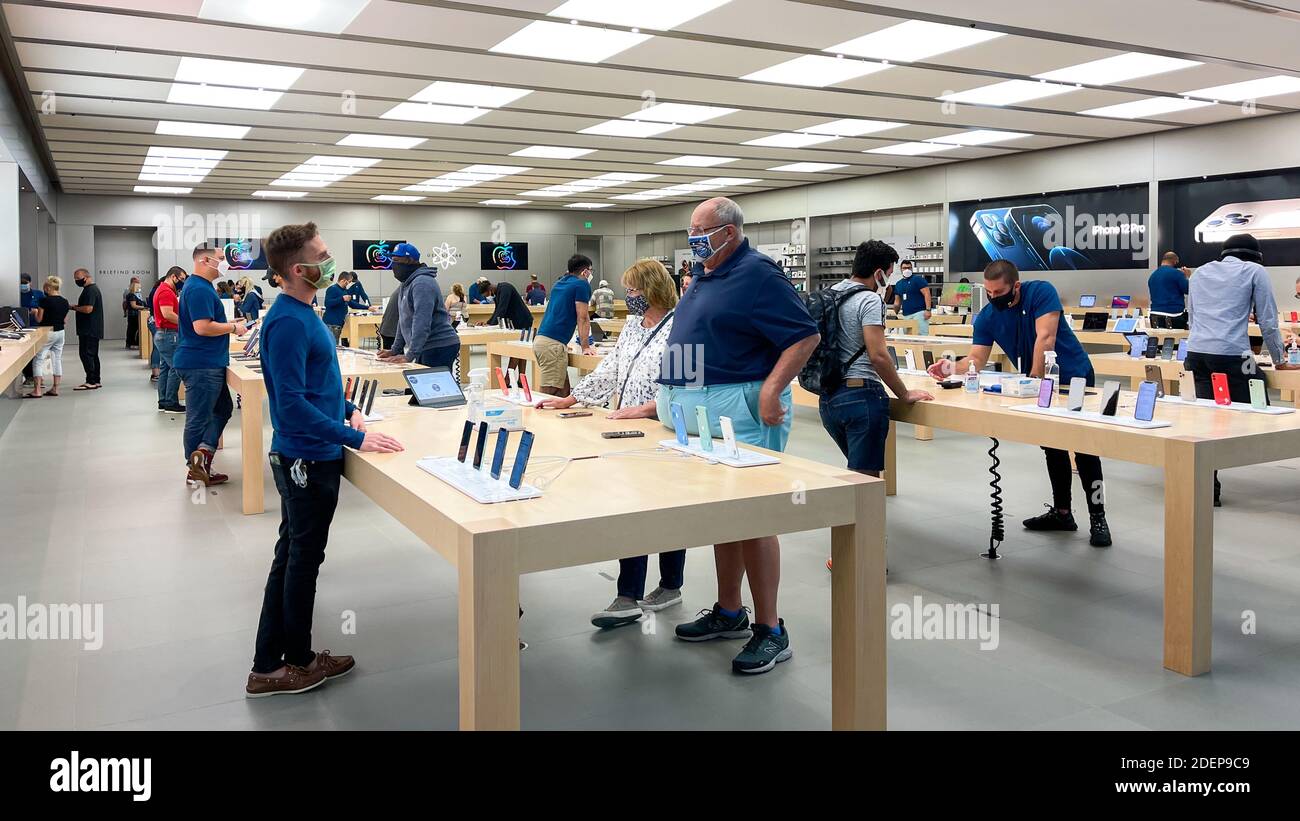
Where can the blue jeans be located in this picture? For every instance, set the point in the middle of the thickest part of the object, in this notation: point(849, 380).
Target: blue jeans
point(169, 380)
point(922, 324)
point(446, 356)
point(154, 356)
point(631, 573)
point(858, 420)
point(207, 407)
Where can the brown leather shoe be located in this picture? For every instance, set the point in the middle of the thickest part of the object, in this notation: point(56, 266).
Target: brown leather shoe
point(332, 666)
point(295, 680)
point(214, 478)
point(198, 471)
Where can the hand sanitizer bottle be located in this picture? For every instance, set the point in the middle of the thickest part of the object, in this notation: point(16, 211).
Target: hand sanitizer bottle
point(972, 381)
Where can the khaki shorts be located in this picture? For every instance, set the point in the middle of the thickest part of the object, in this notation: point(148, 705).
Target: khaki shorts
point(552, 362)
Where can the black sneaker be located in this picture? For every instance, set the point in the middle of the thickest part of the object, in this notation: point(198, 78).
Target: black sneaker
point(1053, 519)
point(1100, 530)
point(161, 407)
point(764, 650)
point(713, 625)
point(177, 408)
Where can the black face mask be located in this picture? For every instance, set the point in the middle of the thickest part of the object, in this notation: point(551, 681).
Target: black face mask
point(81, 283)
point(402, 270)
point(1003, 301)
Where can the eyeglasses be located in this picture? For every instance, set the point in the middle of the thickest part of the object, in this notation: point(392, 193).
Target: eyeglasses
point(710, 229)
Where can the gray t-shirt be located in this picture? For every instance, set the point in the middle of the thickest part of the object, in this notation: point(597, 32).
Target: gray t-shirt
point(858, 311)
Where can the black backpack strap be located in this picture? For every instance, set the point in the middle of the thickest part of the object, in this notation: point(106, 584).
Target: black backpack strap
point(842, 298)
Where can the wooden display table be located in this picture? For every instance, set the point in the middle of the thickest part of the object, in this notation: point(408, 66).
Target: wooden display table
point(16, 353)
point(949, 319)
point(146, 338)
point(361, 325)
point(1123, 365)
point(491, 546)
point(243, 379)
point(480, 336)
point(1200, 441)
point(497, 351)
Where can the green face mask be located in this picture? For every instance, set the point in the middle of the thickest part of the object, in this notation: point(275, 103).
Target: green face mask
point(326, 277)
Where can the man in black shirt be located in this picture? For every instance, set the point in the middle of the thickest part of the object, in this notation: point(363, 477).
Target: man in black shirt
point(511, 307)
point(90, 327)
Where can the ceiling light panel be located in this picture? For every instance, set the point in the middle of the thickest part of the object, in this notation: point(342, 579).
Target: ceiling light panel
point(1117, 69)
point(913, 40)
point(379, 141)
point(1009, 92)
point(331, 17)
point(850, 128)
point(280, 195)
point(551, 152)
point(396, 198)
point(181, 129)
point(161, 189)
point(465, 177)
point(230, 83)
point(629, 128)
point(565, 41)
point(1150, 107)
point(165, 164)
point(469, 94)
point(322, 170)
point(504, 202)
point(815, 71)
point(697, 161)
point(979, 137)
point(679, 113)
point(911, 149)
point(659, 15)
point(589, 205)
point(807, 167)
point(433, 113)
point(790, 140)
point(1250, 89)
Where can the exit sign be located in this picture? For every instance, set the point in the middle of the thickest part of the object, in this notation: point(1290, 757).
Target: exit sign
point(587, 224)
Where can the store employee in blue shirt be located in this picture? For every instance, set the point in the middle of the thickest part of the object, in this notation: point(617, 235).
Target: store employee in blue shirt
point(337, 301)
point(1024, 319)
point(312, 424)
point(912, 297)
point(1168, 286)
point(740, 335)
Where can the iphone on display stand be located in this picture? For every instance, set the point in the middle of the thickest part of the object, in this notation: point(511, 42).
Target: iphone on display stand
point(1109, 398)
point(1258, 394)
point(1187, 387)
point(893, 356)
point(1181, 356)
point(1167, 349)
point(499, 455)
point(679, 423)
point(479, 444)
point(909, 359)
point(464, 441)
point(521, 459)
point(1222, 394)
point(501, 381)
point(1155, 375)
point(1146, 402)
point(1075, 400)
point(1045, 390)
point(728, 436)
point(702, 422)
point(523, 383)
point(928, 358)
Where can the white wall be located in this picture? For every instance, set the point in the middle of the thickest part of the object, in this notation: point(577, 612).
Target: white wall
point(550, 235)
point(1250, 144)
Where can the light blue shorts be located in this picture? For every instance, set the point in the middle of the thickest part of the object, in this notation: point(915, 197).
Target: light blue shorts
point(738, 401)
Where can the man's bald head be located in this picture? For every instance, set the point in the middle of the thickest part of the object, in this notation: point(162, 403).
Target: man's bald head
point(718, 211)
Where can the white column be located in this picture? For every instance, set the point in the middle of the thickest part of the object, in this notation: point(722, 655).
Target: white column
point(10, 231)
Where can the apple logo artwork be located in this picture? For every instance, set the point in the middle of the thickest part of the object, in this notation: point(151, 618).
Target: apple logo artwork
point(503, 256)
point(377, 256)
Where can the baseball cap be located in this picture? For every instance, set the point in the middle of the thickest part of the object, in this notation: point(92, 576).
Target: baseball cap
point(406, 249)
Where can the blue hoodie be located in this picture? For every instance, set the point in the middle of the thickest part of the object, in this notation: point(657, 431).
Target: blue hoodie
point(423, 322)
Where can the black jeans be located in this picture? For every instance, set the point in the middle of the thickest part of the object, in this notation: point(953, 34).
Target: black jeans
point(1177, 321)
point(284, 630)
point(631, 573)
point(1202, 366)
point(387, 341)
point(1058, 470)
point(132, 330)
point(88, 350)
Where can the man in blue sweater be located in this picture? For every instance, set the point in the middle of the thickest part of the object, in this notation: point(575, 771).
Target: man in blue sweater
point(424, 330)
point(1168, 286)
point(312, 423)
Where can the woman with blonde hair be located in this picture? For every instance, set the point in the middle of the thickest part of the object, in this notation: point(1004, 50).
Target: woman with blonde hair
point(250, 302)
point(49, 359)
point(456, 301)
point(625, 382)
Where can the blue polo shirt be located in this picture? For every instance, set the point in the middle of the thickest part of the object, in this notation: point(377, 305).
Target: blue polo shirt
point(1014, 331)
point(910, 290)
point(740, 317)
point(561, 317)
point(303, 385)
point(336, 310)
point(1168, 287)
point(199, 300)
point(32, 298)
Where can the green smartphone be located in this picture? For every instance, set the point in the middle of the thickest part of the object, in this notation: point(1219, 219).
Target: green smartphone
point(702, 422)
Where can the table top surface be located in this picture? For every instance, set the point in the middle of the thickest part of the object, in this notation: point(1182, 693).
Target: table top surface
point(1121, 364)
point(13, 351)
point(351, 363)
point(606, 479)
point(524, 350)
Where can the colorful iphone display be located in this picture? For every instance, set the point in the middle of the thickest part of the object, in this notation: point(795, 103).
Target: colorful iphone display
point(1146, 402)
point(909, 359)
point(1187, 387)
point(728, 436)
point(479, 444)
point(1045, 390)
point(1075, 400)
point(523, 383)
point(1222, 395)
point(702, 422)
point(1258, 395)
point(1109, 398)
point(679, 423)
point(499, 455)
point(1155, 375)
point(501, 381)
point(521, 459)
point(464, 441)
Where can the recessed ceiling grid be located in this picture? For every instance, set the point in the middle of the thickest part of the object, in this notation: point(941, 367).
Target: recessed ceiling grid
point(584, 103)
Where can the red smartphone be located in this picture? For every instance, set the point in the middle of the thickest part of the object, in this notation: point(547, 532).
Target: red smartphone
point(523, 383)
point(1222, 395)
point(501, 382)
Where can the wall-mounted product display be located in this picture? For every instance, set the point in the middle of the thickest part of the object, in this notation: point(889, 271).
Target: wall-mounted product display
point(1198, 214)
point(373, 254)
point(242, 254)
point(793, 260)
point(503, 256)
point(915, 233)
point(1096, 229)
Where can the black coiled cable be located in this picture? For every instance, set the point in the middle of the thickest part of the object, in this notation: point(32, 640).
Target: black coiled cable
point(997, 533)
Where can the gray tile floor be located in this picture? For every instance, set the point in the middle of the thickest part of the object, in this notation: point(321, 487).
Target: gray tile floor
point(95, 510)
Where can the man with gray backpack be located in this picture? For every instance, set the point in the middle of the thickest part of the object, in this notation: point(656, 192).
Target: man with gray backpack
point(852, 367)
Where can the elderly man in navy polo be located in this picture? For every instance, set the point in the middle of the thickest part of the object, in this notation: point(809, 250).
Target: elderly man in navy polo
point(753, 335)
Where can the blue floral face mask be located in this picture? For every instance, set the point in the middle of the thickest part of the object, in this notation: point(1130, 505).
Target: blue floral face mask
point(702, 246)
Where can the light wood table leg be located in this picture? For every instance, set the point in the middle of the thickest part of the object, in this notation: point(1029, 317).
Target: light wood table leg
point(464, 364)
point(251, 446)
point(488, 572)
point(891, 460)
point(146, 340)
point(494, 362)
point(922, 433)
point(858, 623)
point(1189, 558)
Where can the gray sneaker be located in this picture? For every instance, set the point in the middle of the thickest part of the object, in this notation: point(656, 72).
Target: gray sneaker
point(621, 611)
point(660, 599)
